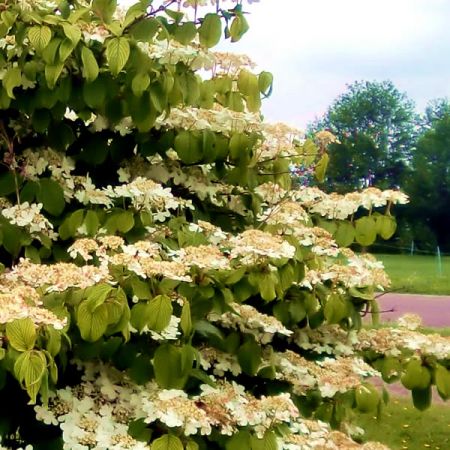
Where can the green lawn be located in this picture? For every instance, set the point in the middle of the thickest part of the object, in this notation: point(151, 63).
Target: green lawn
point(417, 274)
point(403, 427)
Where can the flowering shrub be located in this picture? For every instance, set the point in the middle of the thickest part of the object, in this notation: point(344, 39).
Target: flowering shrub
point(163, 286)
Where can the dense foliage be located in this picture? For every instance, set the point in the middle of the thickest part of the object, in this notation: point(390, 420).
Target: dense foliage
point(163, 285)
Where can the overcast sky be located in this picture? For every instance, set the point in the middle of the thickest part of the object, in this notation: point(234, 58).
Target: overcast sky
point(315, 47)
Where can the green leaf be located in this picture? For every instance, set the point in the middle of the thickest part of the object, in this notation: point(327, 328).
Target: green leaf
point(40, 37)
point(158, 96)
point(138, 430)
point(367, 398)
point(239, 441)
point(134, 12)
point(7, 183)
point(71, 224)
point(167, 442)
point(268, 442)
point(9, 18)
point(94, 94)
point(188, 147)
point(11, 80)
point(11, 238)
point(336, 308)
point(386, 226)
point(141, 289)
point(117, 54)
point(30, 368)
point(91, 223)
point(51, 195)
point(210, 30)
point(90, 66)
point(442, 380)
point(160, 311)
point(265, 83)
point(422, 398)
point(185, 33)
point(52, 73)
point(92, 324)
point(145, 30)
point(140, 316)
point(98, 294)
point(51, 51)
point(365, 231)
point(186, 319)
point(53, 344)
point(104, 9)
point(321, 168)
point(140, 83)
point(416, 375)
point(65, 49)
point(247, 82)
point(249, 357)
point(239, 26)
point(239, 145)
point(124, 221)
point(72, 32)
point(345, 234)
point(192, 445)
point(32, 253)
point(21, 334)
point(172, 365)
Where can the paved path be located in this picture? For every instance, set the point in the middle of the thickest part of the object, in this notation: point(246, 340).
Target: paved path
point(434, 309)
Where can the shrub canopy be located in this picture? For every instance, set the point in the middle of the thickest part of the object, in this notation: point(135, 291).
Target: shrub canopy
point(163, 285)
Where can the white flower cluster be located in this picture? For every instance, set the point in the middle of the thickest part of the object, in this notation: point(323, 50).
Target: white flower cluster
point(172, 52)
point(203, 256)
point(391, 341)
point(54, 277)
point(329, 376)
point(29, 216)
point(280, 140)
point(252, 246)
point(248, 319)
point(148, 195)
point(352, 270)
point(336, 206)
point(36, 162)
point(95, 413)
point(19, 302)
point(219, 119)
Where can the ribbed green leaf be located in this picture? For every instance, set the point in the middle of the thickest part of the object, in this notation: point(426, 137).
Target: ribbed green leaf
point(117, 54)
point(21, 334)
point(40, 37)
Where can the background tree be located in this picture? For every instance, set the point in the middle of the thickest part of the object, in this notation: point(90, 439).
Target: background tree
point(428, 184)
point(435, 110)
point(376, 125)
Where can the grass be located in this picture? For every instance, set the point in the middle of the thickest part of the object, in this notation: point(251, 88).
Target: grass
point(417, 274)
point(401, 426)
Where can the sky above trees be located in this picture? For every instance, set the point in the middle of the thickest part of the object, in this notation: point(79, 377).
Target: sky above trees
point(325, 44)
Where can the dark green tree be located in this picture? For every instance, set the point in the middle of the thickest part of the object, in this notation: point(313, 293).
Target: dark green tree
point(435, 110)
point(377, 128)
point(428, 184)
